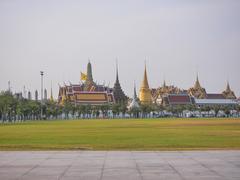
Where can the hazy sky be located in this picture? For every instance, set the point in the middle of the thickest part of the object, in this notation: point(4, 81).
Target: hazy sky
point(177, 38)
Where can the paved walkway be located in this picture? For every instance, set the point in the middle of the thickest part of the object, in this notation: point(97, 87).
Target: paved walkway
point(101, 165)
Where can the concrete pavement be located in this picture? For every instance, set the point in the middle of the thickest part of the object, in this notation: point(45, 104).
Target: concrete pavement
point(122, 165)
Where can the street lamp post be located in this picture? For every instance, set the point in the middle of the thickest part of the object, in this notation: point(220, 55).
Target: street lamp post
point(41, 73)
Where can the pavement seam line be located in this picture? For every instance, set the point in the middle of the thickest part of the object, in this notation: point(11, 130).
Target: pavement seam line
point(205, 166)
point(137, 166)
point(103, 167)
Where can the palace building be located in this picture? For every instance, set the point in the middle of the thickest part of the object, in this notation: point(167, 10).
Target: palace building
point(89, 92)
point(160, 93)
point(197, 95)
point(200, 93)
point(168, 95)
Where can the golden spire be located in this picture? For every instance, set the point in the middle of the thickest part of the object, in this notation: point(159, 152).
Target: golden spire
point(145, 79)
point(145, 93)
point(197, 84)
point(64, 98)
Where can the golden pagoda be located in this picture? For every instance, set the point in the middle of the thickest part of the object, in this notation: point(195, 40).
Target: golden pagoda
point(145, 93)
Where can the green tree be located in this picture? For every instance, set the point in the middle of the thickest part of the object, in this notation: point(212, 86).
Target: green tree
point(216, 108)
point(123, 109)
point(145, 110)
point(115, 110)
point(67, 107)
point(88, 111)
point(105, 108)
point(227, 111)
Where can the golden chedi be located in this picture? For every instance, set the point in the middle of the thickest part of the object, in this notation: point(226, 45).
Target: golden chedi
point(145, 93)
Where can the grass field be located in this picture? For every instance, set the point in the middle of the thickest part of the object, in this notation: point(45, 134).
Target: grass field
point(144, 134)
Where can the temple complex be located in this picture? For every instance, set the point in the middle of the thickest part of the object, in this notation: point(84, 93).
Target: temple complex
point(145, 95)
point(171, 95)
point(87, 92)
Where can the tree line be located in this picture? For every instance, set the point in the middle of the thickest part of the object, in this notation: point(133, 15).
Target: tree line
point(14, 109)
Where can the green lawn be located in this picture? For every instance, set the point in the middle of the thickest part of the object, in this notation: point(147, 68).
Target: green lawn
point(143, 134)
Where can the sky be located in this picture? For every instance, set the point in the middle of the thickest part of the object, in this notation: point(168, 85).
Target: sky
point(178, 39)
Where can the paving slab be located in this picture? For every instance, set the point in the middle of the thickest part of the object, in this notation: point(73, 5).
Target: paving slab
point(122, 165)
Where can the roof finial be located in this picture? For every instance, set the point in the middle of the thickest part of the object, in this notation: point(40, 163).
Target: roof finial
point(164, 83)
point(197, 83)
point(145, 79)
point(117, 79)
point(228, 86)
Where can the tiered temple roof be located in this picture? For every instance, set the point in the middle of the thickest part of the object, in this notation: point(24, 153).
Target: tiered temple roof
point(177, 99)
point(86, 93)
point(118, 93)
point(228, 93)
point(197, 91)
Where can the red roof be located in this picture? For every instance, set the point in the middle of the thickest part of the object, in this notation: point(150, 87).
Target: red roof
point(179, 99)
point(77, 88)
point(215, 96)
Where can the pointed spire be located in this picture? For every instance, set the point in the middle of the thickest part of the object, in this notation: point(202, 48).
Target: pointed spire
point(134, 103)
point(164, 83)
point(228, 89)
point(51, 97)
point(228, 93)
point(117, 77)
point(89, 72)
point(89, 80)
point(197, 83)
point(145, 79)
point(135, 92)
point(119, 95)
point(145, 93)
